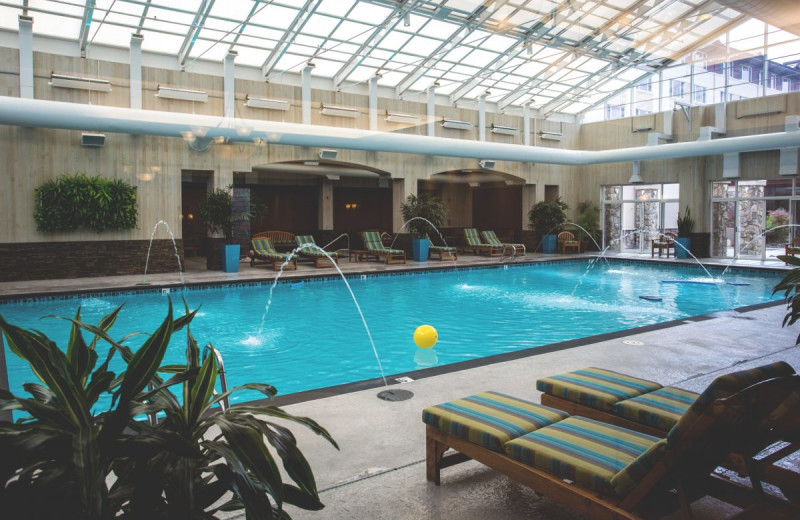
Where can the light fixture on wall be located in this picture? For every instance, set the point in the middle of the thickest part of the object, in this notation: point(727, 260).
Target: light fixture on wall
point(79, 82)
point(182, 93)
point(333, 110)
point(486, 164)
point(456, 125)
point(551, 136)
point(505, 130)
point(330, 155)
point(396, 117)
point(269, 104)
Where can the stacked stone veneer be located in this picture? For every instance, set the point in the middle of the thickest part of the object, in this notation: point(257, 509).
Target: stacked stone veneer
point(52, 260)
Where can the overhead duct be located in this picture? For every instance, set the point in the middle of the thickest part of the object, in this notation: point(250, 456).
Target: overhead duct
point(74, 116)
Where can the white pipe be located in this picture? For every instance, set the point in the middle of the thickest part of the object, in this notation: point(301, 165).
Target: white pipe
point(73, 116)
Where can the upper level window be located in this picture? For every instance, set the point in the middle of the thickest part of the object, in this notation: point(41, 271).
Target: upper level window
point(747, 73)
point(700, 95)
point(677, 88)
point(646, 85)
point(615, 111)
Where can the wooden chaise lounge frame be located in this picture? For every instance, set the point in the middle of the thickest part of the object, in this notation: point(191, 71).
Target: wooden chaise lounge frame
point(278, 238)
point(373, 245)
point(735, 422)
point(473, 243)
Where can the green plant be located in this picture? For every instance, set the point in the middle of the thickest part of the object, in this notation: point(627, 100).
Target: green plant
point(685, 223)
point(548, 217)
point(790, 285)
point(217, 212)
point(778, 218)
point(65, 460)
point(425, 206)
point(70, 202)
point(588, 219)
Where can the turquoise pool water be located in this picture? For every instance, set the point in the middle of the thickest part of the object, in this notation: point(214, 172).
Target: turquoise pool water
point(313, 336)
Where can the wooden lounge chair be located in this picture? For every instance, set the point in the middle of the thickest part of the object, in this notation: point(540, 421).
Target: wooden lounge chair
point(279, 239)
point(604, 471)
point(665, 242)
point(648, 407)
point(566, 240)
point(491, 238)
point(263, 250)
point(443, 252)
point(374, 245)
point(792, 248)
point(474, 244)
point(309, 252)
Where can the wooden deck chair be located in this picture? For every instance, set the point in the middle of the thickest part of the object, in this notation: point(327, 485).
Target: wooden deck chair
point(665, 242)
point(374, 244)
point(490, 238)
point(566, 240)
point(443, 252)
point(646, 406)
point(262, 249)
point(314, 254)
point(474, 244)
point(604, 471)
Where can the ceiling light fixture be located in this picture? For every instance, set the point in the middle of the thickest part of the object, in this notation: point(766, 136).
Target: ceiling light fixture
point(505, 130)
point(182, 93)
point(333, 110)
point(396, 117)
point(456, 125)
point(79, 82)
point(269, 104)
point(551, 136)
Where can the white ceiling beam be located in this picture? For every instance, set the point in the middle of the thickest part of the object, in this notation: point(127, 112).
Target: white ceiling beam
point(194, 31)
point(86, 22)
point(288, 37)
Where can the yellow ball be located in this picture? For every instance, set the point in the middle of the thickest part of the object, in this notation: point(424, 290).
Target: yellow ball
point(425, 336)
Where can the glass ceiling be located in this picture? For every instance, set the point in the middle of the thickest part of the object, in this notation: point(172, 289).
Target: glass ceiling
point(550, 53)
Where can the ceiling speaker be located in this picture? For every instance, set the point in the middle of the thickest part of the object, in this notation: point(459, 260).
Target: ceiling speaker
point(93, 139)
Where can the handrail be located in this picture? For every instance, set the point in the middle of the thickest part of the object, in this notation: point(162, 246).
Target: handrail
point(223, 383)
point(337, 238)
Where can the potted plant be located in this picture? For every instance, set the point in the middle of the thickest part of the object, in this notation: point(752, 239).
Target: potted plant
point(419, 214)
point(68, 456)
point(547, 218)
point(684, 239)
point(217, 212)
point(587, 223)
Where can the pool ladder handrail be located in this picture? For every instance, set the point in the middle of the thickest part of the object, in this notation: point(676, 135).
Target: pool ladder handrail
point(325, 247)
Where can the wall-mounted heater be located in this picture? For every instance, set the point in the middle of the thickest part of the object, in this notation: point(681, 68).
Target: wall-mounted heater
point(269, 104)
point(551, 136)
point(486, 164)
point(456, 125)
point(93, 139)
point(505, 130)
point(333, 110)
point(78, 82)
point(182, 93)
point(396, 117)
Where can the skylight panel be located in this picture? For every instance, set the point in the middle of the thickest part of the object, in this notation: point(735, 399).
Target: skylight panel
point(58, 26)
point(391, 79)
point(574, 107)
point(348, 48)
point(422, 83)
point(361, 74)
point(465, 5)
point(606, 11)
point(208, 50)
point(232, 9)
point(167, 21)
point(522, 18)
point(274, 16)
point(307, 41)
point(335, 55)
point(109, 34)
point(672, 13)
point(353, 32)
point(403, 58)
point(463, 69)
point(9, 17)
point(785, 52)
point(456, 54)
point(187, 5)
point(380, 55)
point(258, 43)
point(335, 7)
point(254, 34)
point(368, 13)
point(438, 29)
point(394, 40)
point(292, 63)
point(447, 87)
point(120, 11)
point(326, 68)
point(373, 62)
point(320, 25)
point(253, 57)
point(422, 46)
point(161, 43)
point(498, 43)
point(481, 58)
point(220, 27)
point(476, 92)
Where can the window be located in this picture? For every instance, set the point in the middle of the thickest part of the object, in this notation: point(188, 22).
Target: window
point(677, 88)
point(785, 85)
point(772, 81)
point(642, 111)
point(736, 71)
point(721, 96)
point(700, 95)
point(646, 85)
point(615, 111)
point(747, 73)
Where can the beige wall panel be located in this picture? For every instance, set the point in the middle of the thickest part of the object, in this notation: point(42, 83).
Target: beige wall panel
point(9, 72)
point(213, 85)
point(116, 73)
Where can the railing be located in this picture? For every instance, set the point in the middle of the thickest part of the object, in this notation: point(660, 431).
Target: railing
point(325, 247)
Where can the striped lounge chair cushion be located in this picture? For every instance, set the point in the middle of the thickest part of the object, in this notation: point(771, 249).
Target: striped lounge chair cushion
point(725, 386)
point(491, 238)
point(309, 250)
point(595, 387)
point(660, 409)
point(588, 452)
point(373, 242)
point(471, 234)
point(490, 419)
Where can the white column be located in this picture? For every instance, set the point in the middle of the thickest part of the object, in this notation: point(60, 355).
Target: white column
point(432, 110)
point(229, 86)
point(526, 124)
point(482, 117)
point(25, 57)
point(306, 93)
point(136, 71)
point(373, 103)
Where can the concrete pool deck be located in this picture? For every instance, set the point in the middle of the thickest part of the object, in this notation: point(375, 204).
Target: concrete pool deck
point(379, 472)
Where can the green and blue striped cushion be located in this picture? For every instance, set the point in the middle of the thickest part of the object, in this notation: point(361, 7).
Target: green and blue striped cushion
point(595, 387)
point(660, 409)
point(434, 247)
point(308, 250)
point(588, 452)
point(491, 238)
point(373, 242)
point(263, 247)
point(490, 419)
point(471, 234)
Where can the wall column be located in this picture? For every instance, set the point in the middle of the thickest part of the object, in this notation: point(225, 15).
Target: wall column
point(25, 57)
point(401, 189)
point(528, 200)
point(228, 85)
point(306, 93)
point(326, 205)
point(526, 124)
point(432, 110)
point(136, 71)
point(482, 117)
point(373, 103)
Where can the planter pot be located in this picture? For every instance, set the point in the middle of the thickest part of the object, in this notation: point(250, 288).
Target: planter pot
point(419, 249)
point(683, 252)
point(230, 258)
point(549, 243)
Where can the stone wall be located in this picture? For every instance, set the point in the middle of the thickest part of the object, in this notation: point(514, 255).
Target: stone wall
point(49, 260)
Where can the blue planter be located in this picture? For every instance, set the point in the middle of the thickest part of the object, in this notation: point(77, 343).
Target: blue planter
point(419, 249)
point(683, 252)
point(230, 258)
point(549, 244)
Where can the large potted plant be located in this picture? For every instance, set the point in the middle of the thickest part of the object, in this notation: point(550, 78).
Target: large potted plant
point(217, 212)
point(684, 240)
point(547, 218)
point(587, 222)
point(419, 214)
point(69, 456)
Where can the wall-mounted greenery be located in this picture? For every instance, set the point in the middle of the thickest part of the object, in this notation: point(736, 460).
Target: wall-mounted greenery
point(79, 201)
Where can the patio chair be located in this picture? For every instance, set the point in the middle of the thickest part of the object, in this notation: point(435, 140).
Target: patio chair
point(444, 252)
point(264, 250)
point(491, 238)
point(566, 240)
point(309, 252)
point(792, 248)
point(647, 407)
point(477, 247)
point(663, 242)
point(373, 245)
point(605, 471)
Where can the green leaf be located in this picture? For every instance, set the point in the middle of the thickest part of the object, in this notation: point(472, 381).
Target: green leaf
point(202, 390)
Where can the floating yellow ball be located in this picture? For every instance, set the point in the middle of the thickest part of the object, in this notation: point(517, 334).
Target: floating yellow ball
point(425, 336)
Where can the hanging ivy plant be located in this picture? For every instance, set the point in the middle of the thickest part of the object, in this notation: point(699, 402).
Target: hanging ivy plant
point(70, 202)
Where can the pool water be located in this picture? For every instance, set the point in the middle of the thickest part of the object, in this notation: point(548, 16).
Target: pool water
point(313, 337)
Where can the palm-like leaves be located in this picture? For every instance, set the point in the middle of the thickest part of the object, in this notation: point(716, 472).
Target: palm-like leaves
point(790, 286)
point(196, 461)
